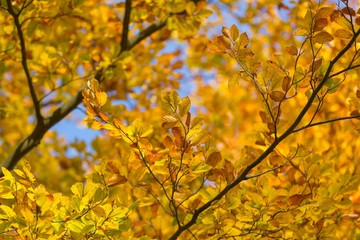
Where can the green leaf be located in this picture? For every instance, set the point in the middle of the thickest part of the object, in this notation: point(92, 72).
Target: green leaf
point(78, 189)
point(201, 168)
point(75, 225)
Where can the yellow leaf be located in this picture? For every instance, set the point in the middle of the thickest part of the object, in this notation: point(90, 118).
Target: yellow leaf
point(234, 32)
point(101, 98)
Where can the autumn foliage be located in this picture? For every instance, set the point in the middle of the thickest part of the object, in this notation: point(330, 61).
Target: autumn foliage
point(249, 134)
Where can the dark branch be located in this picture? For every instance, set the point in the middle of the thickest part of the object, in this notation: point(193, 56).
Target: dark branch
point(17, 23)
point(42, 127)
point(126, 22)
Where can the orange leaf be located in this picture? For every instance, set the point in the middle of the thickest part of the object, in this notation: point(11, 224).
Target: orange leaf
point(320, 24)
point(213, 158)
point(348, 11)
point(116, 179)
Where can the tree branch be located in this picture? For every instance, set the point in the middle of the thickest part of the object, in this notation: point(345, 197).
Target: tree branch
point(42, 127)
point(324, 122)
point(24, 60)
point(289, 131)
point(126, 22)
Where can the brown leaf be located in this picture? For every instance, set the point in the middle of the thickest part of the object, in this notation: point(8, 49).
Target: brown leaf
point(323, 37)
point(116, 179)
point(316, 64)
point(213, 158)
point(286, 84)
point(292, 50)
point(358, 93)
point(277, 96)
point(296, 199)
point(348, 11)
point(320, 24)
point(357, 20)
point(324, 12)
point(223, 42)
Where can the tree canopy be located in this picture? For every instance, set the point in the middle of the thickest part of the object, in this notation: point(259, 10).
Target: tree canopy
point(213, 119)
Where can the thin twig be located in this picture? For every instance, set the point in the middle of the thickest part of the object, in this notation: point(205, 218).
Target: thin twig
point(324, 122)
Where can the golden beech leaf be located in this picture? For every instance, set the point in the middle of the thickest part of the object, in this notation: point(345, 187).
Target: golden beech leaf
point(116, 179)
point(168, 142)
point(215, 48)
point(179, 136)
point(168, 121)
point(242, 41)
point(292, 50)
point(101, 98)
point(296, 199)
point(277, 96)
point(184, 106)
point(226, 32)
point(334, 15)
point(223, 42)
point(323, 37)
point(234, 32)
point(320, 24)
point(343, 34)
point(286, 84)
point(324, 12)
point(264, 117)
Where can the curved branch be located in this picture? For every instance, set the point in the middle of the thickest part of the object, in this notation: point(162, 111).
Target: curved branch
point(17, 23)
point(289, 131)
point(126, 21)
point(43, 126)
